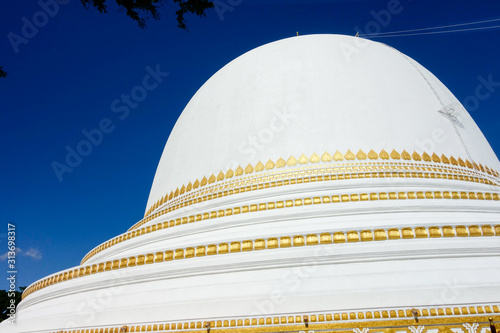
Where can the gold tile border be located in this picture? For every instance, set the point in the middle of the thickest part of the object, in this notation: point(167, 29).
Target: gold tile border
point(359, 170)
point(443, 319)
point(306, 201)
point(314, 158)
point(272, 243)
point(326, 157)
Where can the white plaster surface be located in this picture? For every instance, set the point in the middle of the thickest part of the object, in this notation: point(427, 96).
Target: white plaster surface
point(375, 99)
point(378, 100)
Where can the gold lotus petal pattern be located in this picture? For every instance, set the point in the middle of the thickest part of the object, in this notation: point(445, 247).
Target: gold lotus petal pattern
point(156, 214)
point(303, 159)
point(314, 158)
point(395, 155)
point(372, 155)
point(259, 166)
point(338, 156)
point(249, 169)
point(416, 156)
point(269, 165)
point(349, 155)
point(291, 161)
point(326, 157)
point(361, 155)
point(220, 176)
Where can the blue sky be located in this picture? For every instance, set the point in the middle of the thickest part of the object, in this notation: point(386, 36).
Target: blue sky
point(64, 79)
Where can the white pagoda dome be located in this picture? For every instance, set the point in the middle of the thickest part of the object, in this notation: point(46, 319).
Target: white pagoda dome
point(319, 182)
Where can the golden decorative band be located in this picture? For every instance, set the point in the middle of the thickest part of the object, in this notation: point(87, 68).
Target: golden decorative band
point(326, 157)
point(299, 202)
point(444, 320)
point(319, 174)
point(273, 243)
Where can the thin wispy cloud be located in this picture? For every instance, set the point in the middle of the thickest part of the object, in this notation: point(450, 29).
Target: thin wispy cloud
point(33, 253)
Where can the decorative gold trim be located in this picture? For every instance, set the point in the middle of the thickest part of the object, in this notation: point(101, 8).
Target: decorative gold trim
point(326, 157)
point(372, 155)
point(336, 198)
point(289, 173)
point(284, 241)
point(396, 320)
point(270, 165)
point(362, 166)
